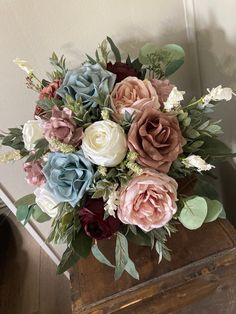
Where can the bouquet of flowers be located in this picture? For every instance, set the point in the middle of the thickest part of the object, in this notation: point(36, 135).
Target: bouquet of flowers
point(111, 150)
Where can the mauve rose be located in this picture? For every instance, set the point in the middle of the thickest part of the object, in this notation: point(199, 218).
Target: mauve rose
point(34, 174)
point(50, 90)
point(149, 200)
point(163, 89)
point(122, 70)
point(127, 92)
point(62, 127)
point(91, 218)
point(156, 137)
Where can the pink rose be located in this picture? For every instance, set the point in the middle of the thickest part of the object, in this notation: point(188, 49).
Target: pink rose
point(61, 126)
point(163, 89)
point(127, 92)
point(156, 137)
point(149, 200)
point(50, 90)
point(34, 174)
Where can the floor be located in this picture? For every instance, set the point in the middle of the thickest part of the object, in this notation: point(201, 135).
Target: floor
point(28, 280)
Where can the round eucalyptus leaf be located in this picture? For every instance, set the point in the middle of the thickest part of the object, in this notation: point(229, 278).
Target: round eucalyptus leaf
point(175, 56)
point(214, 208)
point(194, 212)
point(145, 51)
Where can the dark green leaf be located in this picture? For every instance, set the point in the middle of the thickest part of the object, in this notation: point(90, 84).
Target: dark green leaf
point(69, 258)
point(82, 244)
point(204, 188)
point(141, 238)
point(39, 215)
point(114, 49)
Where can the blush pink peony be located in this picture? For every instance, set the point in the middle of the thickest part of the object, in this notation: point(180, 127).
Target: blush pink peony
point(128, 92)
point(149, 200)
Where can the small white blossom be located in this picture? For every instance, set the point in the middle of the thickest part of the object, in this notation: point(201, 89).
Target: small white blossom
point(218, 93)
point(112, 203)
point(174, 99)
point(23, 64)
point(197, 162)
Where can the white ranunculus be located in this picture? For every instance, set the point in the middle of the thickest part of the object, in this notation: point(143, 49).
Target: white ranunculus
point(32, 131)
point(197, 162)
point(218, 93)
point(23, 65)
point(104, 143)
point(46, 201)
point(173, 99)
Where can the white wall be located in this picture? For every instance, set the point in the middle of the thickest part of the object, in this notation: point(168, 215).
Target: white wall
point(32, 29)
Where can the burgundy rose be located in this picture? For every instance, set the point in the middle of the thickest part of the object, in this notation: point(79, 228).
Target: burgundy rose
point(122, 70)
point(156, 137)
point(91, 218)
point(49, 91)
point(61, 126)
point(34, 174)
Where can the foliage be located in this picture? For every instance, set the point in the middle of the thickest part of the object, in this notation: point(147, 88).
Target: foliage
point(14, 139)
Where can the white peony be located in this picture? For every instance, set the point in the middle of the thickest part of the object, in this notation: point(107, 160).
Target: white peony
point(46, 201)
point(196, 162)
point(32, 131)
point(173, 99)
point(218, 93)
point(104, 143)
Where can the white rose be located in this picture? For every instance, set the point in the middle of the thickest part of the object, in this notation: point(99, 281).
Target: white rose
point(32, 131)
point(46, 201)
point(173, 99)
point(196, 162)
point(104, 143)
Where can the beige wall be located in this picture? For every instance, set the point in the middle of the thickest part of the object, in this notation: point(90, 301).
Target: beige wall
point(32, 29)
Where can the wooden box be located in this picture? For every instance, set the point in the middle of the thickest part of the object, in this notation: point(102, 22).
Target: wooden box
point(201, 278)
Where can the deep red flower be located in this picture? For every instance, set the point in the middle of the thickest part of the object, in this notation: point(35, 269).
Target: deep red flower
point(122, 70)
point(91, 218)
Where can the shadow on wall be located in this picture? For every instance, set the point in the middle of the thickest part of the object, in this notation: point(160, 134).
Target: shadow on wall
point(217, 58)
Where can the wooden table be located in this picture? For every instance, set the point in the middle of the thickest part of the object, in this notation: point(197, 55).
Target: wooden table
point(200, 279)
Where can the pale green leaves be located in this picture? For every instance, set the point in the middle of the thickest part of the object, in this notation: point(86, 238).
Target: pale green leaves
point(163, 61)
point(123, 262)
point(100, 256)
point(198, 210)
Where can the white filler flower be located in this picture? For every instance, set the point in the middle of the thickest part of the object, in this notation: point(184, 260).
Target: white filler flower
point(46, 201)
point(218, 93)
point(104, 143)
point(32, 131)
point(197, 162)
point(174, 99)
point(112, 203)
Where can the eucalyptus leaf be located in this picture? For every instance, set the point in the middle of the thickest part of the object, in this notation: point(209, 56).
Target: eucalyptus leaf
point(194, 212)
point(146, 51)
point(25, 200)
point(176, 58)
point(214, 208)
point(100, 256)
point(39, 215)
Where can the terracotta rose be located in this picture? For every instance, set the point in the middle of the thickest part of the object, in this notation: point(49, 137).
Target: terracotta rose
point(156, 137)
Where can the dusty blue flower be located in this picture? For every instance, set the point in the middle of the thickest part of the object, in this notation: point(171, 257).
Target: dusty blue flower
point(68, 176)
point(86, 82)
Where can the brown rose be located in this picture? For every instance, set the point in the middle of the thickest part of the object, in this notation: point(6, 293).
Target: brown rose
point(156, 137)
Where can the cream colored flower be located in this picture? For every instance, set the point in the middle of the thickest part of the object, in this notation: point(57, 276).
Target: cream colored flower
point(173, 99)
point(104, 143)
point(112, 203)
point(32, 131)
point(197, 162)
point(10, 156)
point(23, 64)
point(46, 201)
point(218, 93)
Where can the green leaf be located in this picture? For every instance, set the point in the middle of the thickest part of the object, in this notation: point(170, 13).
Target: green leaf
point(145, 51)
point(140, 238)
point(100, 257)
point(91, 60)
point(25, 207)
point(123, 261)
point(39, 215)
point(82, 244)
point(114, 49)
point(176, 58)
point(194, 212)
point(69, 258)
point(214, 147)
point(25, 200)
point(214, 208)
point(22, 212)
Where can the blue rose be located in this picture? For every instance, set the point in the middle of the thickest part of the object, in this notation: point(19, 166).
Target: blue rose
point(86, 82)
point(68, 176)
